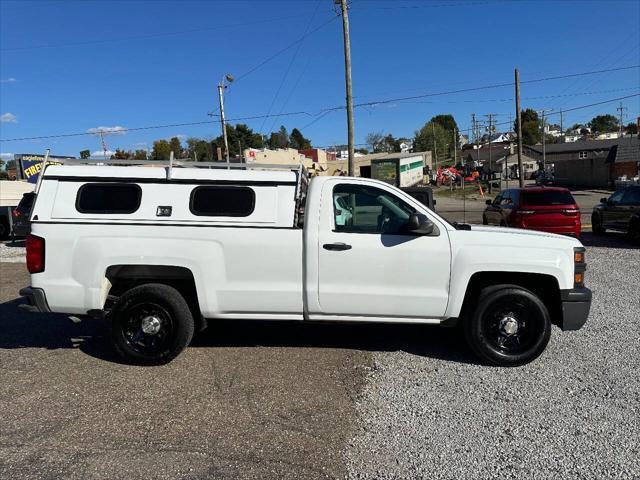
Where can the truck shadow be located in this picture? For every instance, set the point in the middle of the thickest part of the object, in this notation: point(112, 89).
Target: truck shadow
point(19, 329)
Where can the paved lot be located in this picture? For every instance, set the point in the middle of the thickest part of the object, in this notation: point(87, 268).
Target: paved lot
point(268, 400)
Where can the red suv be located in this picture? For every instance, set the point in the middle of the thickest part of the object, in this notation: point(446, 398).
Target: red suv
point(550, 209)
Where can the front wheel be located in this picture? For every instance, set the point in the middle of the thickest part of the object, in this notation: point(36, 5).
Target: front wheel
point(484, 220)
point(633, 233)
point(596, 224)
point(151, 324)
point(510, 326)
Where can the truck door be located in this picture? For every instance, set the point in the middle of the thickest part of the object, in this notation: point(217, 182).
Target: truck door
point(369, 265)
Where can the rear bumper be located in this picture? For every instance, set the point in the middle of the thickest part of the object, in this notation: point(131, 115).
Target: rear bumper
point(36, 298)
point(576, 304)
point(573, 230)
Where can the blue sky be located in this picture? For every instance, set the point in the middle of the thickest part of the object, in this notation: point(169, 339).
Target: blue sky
point(69, 66)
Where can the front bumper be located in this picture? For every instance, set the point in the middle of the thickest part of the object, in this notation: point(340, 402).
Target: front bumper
point(37, 300)
point(576, 304)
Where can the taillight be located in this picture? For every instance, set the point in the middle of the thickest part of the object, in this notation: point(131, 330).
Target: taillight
point(571, 212)
point(15, 213)
point(35, 254)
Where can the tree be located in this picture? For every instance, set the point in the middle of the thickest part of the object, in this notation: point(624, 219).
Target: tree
point(531, 127)
point(161, 150)
point(363, 151)
point(379, 142)
point(239, 138)
point(432, 135)
point(176, 147)
point(120, 155)
point(631, 129)
point(447, 122)
point(140, 155)
point(279, 139)
point(85, 154)
point(604, 123)
point(199, 149)
point(297, 140)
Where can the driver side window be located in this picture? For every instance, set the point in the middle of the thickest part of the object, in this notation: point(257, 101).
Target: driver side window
point(366, 209)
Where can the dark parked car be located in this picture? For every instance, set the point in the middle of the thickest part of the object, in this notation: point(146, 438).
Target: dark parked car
point(621, 212)
point(549, 209)
point(21, 225)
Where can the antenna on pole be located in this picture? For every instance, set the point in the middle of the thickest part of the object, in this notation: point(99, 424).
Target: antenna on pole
point(104, 145)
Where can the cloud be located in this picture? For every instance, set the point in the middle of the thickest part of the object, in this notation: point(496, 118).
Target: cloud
point(8, 118)
point(142, 145)
point(100, 153)
point(6, 156)
point(117, 130)
point(8, 80)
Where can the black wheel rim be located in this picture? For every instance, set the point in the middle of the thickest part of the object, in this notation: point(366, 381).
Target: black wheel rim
point(148, 328)
point(512, 325)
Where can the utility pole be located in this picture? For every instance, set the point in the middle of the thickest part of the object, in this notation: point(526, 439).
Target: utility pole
point(455, 146)
point(561, 125)
point(104, 145)
point(473, 128)
point(544, 142)
point(621, 109)
point(347, 76)
point(490, 116)
point(435, 145)
point(221, 87)
point(519, 129)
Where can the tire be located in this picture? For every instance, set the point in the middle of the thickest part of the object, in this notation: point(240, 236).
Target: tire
point(484, 220)
point(503, 223)
point(151, 324)
point(596, 224)
point(510, 326)
point(4, 229)
point(633, 232)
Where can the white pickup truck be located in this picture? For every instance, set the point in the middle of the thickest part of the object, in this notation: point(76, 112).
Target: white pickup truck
point(162, 251)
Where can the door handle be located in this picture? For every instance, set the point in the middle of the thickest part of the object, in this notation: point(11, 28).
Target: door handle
point(336, 246)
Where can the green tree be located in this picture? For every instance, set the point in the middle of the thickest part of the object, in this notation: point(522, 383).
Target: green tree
point(363, 151)
point(531, 127)
point(85, 154)
point(119, 155)
point(200, 150)
point(140, 155)
point(447, 121)
point(297, 140)
point(279, 139)
point(161, 150)
point(176, 147)
point(239, 138)
point(432, 137)
point(604, 123)
point(631, 129)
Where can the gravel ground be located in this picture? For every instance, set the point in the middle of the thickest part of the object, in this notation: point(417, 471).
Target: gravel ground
point(571, 414)
point(12, 253)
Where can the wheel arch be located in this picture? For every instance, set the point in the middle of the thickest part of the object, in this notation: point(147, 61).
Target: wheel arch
point(127, 276)
point(545, 286)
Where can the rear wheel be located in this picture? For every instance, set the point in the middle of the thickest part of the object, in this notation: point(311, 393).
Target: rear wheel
point(509, 327)
point(4, 229)
point(151, 324)
point(596, 224)
point(484, 220)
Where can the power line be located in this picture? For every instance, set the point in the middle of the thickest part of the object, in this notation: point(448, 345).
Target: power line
point(322, 111)
point(151, 35)
point(293, 58)
point(281, 51)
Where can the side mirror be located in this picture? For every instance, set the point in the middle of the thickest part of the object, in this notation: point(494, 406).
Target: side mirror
point(488, 202)
point(603, 200)
point(420, 224)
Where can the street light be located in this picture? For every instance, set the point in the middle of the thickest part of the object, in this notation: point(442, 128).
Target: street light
point(221, 86)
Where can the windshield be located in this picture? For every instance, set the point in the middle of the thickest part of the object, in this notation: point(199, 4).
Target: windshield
point(548, 197)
